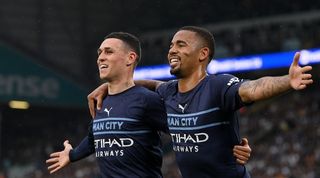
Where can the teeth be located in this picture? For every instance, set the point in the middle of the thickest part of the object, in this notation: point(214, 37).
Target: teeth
point(174, 60)
point(103, 66)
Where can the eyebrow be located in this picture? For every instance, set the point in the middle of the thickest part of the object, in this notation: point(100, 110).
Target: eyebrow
point(180, 42)
point(103, 49)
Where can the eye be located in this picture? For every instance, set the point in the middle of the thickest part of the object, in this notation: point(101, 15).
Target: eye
point(108, 52)
point(181, 44)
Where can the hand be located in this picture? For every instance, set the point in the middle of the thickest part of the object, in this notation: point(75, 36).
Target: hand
point(59, 159)
point(97, 96)
point(242, 152)
point(298, 77)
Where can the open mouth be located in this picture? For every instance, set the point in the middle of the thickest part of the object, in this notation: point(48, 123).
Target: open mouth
point(174, 61)
point(103, 66)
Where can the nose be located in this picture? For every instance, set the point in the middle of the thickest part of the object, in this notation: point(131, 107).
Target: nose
point(172, 50)
point(101, 58)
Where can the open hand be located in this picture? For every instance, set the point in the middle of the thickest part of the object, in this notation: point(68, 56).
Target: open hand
point(299, 79)
point(59, 159)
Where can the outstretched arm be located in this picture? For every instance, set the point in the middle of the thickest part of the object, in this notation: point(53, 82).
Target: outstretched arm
point(60, 159)
point(267, 87)
point(242, 152)
point(95, 98)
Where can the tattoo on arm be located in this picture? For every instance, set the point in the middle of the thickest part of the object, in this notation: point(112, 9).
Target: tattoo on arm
point(263, 88)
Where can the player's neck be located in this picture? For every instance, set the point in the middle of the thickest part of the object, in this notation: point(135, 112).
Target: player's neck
point(186, 84)
point(118, 86)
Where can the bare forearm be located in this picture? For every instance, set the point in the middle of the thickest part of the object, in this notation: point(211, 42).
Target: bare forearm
point(264, 88)
point(150, 84)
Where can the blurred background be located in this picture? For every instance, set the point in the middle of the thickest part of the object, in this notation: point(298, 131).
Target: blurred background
point(48, 66)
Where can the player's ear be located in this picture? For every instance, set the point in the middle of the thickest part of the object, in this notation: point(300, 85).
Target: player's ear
point(132, 57)
point(204, 53)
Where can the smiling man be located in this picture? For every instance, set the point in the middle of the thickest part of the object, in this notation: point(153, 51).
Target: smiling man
point(201, 108)
point(124, 135)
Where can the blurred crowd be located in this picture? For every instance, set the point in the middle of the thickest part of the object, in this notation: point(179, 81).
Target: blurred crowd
point(284, 133)
point(28, 138)
point(255, 39)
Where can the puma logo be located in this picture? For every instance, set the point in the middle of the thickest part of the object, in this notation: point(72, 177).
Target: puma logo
point(182, 107)
point(107, 111)
point(233, 80)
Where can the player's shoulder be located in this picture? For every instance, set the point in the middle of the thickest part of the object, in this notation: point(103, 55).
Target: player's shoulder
point(168, 88)
point(169, 85)
point(222, 80)
point(225, 78)
point(148, 97)
point(146, 93)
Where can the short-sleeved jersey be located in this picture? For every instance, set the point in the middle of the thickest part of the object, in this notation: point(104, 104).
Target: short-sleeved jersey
point(126, 134)
point(204, 127)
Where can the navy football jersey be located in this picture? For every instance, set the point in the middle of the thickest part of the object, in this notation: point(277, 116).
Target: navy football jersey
point(203, 125)
point(125, 134)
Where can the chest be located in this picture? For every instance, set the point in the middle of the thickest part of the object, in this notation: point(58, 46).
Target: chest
point(119, 115)
point(191, 103)
point(194, 110)
point(122, 107)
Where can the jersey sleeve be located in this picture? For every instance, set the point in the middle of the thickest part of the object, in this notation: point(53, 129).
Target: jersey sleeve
point(229, 92)
point(155, 114)
point(85, 148)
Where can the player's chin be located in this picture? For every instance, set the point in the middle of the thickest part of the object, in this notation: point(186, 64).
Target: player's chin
point(103, 76)
point(176, 72)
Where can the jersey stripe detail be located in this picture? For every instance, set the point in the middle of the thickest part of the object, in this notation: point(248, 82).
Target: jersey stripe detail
point(200, 127)
point(115, 119)
point(122, 132)
point(195, 114)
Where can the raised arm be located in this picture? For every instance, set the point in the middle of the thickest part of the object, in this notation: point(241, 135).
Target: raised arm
point(95, 98)
point(267, 87)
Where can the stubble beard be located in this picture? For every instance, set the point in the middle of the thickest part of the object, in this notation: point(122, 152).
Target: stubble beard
point(176, 73)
